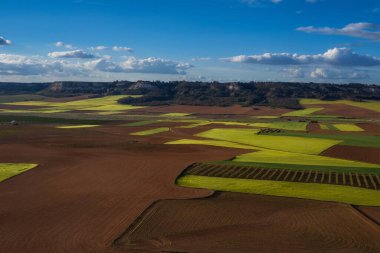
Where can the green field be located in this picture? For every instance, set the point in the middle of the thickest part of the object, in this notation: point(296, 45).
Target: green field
point(347, 139)
point(369, 105)
point(216, 143)
point(324, 192)
point(76, 126)
point(8, 170)
point(302, 145)
point(108, 103)
point(280, 157)
point(304, 112)
point(285, 125)
point(175, 114)
point(151, 131)
point(348, 127)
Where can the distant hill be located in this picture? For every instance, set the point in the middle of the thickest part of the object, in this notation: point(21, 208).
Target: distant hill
point(276, 94)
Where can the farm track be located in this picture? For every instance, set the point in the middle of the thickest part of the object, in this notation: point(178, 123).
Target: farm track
point(369, 181)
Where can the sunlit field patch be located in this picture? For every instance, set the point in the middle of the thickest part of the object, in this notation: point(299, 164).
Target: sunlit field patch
point(250, 137)
point(76, 126)
point(325, 192)
point(108, 103)
point(304, 112)
point(8, 170)
point(369, 105)
point(175, 114)
point(280, 157)
point(216, 143)
point(151, 131)
point(348, 127)
point(285, 125)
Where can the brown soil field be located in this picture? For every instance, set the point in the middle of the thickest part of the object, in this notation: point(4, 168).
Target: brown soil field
point(364, 154)
point(233, 222)
point(346, 110)
point(371, 128)
point(313, 127)
point(91, 185)
point(261, 110)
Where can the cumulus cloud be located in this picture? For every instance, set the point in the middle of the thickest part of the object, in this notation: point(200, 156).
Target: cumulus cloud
point(155, 65)
point(359, 30)
point(63, 44)
point(335, 56)
point(4, 42)
point(27, 66)
point(324, 73)
point(36, 65)
point(98, 48)
point(117, 48)
point(295, 72)
point(72, 54)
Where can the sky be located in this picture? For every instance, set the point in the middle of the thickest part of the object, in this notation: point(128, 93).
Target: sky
point(210, 40)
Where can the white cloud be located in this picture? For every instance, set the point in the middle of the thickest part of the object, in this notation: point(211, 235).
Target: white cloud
point(18, 65)
point(4, 42)
point(359, 30)
point(62, 44)
point(335, 56)
point(98, 48)
point(117, 48)
point(295, 72)
point(154, 65)
point(72, 54)
point(323, 73)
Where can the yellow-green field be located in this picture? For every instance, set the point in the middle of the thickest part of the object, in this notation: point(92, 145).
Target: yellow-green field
point(324, 192)
point(282, 143)
point(175, 114)
point(304, 112)
point(216, 143)
point(280, 157)
point(8, 170)
point(103, 104)
point(285, 125)
point(76, 126)
point(151, 131)
point(369, 105)
point(348, 127)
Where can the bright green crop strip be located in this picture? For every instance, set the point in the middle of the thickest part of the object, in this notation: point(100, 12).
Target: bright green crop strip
point(215, 143)
point(286, 125)
point(249, 137)
point(152, 131)
point(348, 139)
point(323, 192)
point(304, 112)
point(8, 170)
point(369, 105)
point(141, 123)
point(77, 126)
point(175, 114)
point(348, 127)
point(274, 156)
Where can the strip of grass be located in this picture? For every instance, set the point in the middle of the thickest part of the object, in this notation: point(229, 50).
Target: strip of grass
point(151, 131)
point(175, 114)
point(141, 123)
point(348, 127)
point(274, 156)
point(285, 125)
point(369, 105)
point(323, 192)
point(268, 165)
point(301, 145)
point(76, 126)
point(348, 139)
point(215, 143)
point(304, 112)
point(8, 170)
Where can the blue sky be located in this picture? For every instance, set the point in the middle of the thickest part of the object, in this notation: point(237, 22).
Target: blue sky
point(224, 40)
